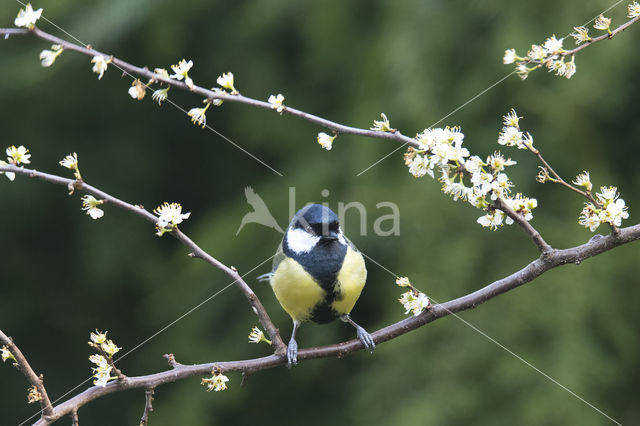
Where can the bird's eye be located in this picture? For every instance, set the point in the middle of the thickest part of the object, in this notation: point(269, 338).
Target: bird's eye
point(317, 228)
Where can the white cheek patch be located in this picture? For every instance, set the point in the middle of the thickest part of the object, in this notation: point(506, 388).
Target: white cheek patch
point(301, 241)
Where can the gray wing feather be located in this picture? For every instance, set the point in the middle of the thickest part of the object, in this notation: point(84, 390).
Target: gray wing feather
point(353, 246)
point(277, 258)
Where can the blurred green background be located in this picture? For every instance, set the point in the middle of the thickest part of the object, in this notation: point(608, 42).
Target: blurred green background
point(64, 275)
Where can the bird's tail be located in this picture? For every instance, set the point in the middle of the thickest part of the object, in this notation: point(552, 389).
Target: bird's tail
point(265, 277)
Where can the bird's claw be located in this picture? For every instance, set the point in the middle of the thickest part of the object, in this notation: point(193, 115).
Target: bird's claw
point(292, 353)
point(366, 339)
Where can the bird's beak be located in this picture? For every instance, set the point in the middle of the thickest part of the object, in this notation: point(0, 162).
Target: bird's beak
point(332, 236)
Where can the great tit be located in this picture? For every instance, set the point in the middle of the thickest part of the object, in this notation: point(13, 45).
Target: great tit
point(317, 273)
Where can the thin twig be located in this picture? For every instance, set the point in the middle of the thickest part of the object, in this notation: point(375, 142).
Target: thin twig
point(587, 194)
point(171, 360)
point(263, 317)
point(74, 418)
point(32, 377)
point(148, 407)
point(520, 220)
point(544, 263)
point(210, 94)
point(602, 37)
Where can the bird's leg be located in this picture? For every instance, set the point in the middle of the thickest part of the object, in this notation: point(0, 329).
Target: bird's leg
point(364, 337)
point(292, 349)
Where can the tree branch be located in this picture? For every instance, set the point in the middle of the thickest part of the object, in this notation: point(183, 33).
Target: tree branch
point(32, 377)
point(210, 94)
point(575, 255)
point(558, 179)
point(602, 37)
point(520, 220)
point(231, 272)
point(148, 407)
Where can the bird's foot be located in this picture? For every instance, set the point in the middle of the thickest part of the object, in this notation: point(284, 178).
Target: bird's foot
point(365, 338)
point(292, 353)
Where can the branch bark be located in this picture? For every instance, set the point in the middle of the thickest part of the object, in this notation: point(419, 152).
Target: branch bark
point(575, 255)
point(144, 72)
point(542, 245)
point(196, 251)
point(602, 37)
point(32, 377)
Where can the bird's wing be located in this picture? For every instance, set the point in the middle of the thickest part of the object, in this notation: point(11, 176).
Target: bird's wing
point(353, 246)
point(279, 257)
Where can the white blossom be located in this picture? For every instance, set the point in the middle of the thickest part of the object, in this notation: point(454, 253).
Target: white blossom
point(6, 354)
point(413, 303)
point(226, 81)
point(581, 34)
point(583, 179)
point(70, 161)
point(48, 57)
point(100, 65)
point(90, 204)
point(277, 102)
point(181, 72)
point(325, 140)
point(102, 371)
point(19, 155)
point(381, 125)
point(198, 115)
point(27, 17)
point(602, 23)
point(160, 95)
point(217, 382)
point(169, 216)
point(509, 56)
point(492, 219)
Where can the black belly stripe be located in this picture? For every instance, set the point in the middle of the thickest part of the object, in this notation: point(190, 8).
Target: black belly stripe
point(323, 263)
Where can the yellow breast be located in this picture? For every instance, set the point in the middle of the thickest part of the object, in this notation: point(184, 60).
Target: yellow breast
point(296, 290)
point(351, 279)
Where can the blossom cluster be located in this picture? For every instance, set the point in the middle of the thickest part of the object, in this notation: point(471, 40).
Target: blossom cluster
point(609, 209)
point(413, 300)
point(15, 156)
point(470, 178)
point(550, 55)
point(102, 370)
point(217, 382)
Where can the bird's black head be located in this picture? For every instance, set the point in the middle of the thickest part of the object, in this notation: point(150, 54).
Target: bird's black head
point(317, 220)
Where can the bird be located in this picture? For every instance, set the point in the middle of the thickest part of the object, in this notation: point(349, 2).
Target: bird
point(260, 213)
point(317, 274)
